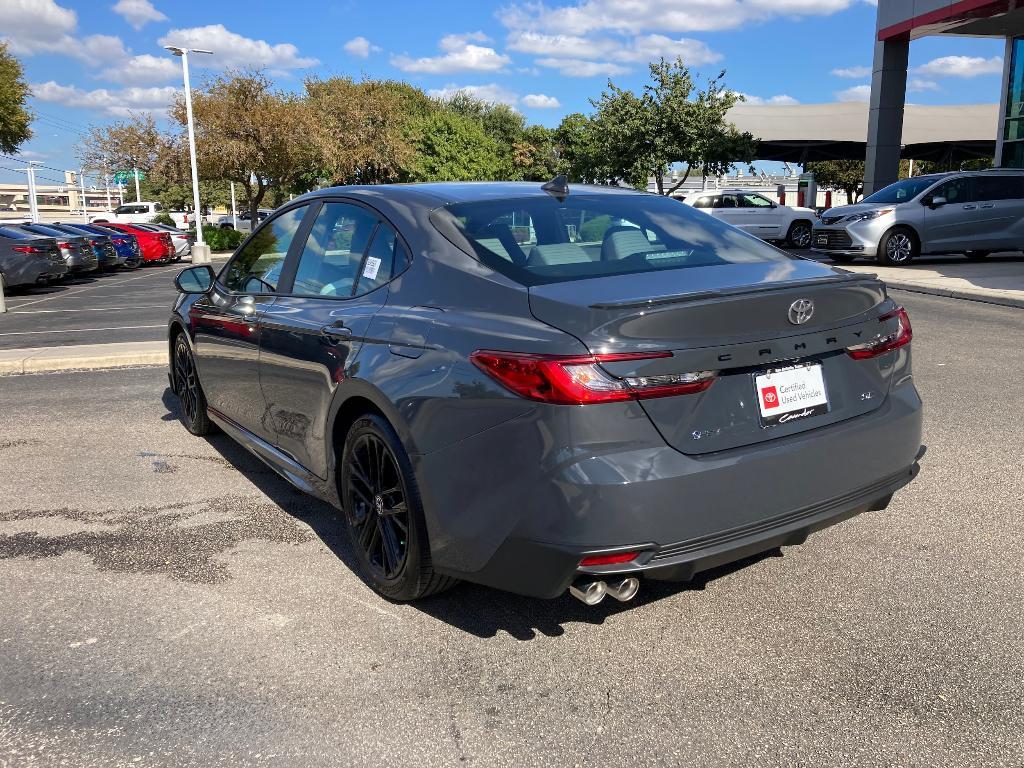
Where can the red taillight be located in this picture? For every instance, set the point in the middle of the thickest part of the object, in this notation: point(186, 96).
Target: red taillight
point(898, 338)
point(69, 246)
point(580, 379)
point(616, 558)
point(27, 249)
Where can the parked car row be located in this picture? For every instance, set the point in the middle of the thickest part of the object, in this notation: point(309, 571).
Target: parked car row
point(38, 253)
point(142, 213)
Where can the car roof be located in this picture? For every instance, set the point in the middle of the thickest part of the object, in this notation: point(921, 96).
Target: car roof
point(435, 194)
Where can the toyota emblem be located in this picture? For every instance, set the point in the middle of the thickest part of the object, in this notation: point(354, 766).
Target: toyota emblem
point(800, 311)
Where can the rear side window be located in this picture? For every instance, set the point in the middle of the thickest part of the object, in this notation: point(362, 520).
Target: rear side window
point(256, 268)
point(1000, 187)
point(590, 235)
point(726, 201)
point(705, 202)
point(14, 234)
point(333, 256)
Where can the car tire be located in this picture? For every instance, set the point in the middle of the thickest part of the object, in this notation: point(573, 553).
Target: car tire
point(799, 235)
point(226, 226)
point(977, 255)
point(188, 389)
point(898, 247)
point(842, 258)
point(383, 513)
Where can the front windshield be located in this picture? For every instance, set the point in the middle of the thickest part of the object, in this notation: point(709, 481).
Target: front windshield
point(901, 191)
point(538, 239)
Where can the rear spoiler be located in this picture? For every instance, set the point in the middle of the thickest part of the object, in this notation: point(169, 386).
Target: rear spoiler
point(680, 298)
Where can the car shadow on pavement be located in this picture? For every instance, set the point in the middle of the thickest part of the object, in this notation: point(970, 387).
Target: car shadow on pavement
point(472, 608)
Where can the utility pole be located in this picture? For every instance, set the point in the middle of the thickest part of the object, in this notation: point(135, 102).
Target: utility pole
point(33, 204)
point(106, 184)
point(85, 208)
point(138, 197)
point(234, 215)
point(200, 251)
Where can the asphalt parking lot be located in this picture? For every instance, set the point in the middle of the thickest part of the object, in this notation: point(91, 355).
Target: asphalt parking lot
point(169, 601)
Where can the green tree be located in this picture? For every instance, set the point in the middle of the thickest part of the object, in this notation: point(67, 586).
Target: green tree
point(578, 151)
point(452, 147)
point(840, 176)
point(135, 142)
point(14, 92)
point(252, 134)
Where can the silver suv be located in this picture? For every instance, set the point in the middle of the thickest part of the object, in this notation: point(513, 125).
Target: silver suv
point(974, 213)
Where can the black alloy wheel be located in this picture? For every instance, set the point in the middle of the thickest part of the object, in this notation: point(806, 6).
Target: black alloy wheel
point(383, 513)
point(189, 392)
point(977, 255)
point(799, 234)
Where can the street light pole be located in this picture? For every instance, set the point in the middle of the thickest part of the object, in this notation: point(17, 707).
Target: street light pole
point(85, 208)
point(200, 252)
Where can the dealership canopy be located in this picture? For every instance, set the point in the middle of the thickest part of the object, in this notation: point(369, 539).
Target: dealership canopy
point(799, 133)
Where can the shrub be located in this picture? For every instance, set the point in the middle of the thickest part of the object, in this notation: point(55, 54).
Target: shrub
point(163, 218)
point(222, 239)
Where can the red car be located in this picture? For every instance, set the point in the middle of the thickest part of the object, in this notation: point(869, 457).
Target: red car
point(154, 246)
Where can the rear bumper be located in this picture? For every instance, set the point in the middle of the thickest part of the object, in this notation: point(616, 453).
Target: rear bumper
point(19, 271)
point(527, 515)
point(545, 570)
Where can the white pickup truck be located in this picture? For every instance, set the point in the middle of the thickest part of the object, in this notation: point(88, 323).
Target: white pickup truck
point(141, 213)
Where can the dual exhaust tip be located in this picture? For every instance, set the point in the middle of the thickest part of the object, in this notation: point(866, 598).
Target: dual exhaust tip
point(593, 592)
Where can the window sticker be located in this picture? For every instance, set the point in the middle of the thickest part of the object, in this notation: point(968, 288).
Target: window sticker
point(371, 268)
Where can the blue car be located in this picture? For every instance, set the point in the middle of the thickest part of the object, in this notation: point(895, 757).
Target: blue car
point(125, 246)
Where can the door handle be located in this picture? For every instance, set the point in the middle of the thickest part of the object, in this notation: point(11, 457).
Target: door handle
point(336, 333)
point(988, 205)
point(970, 207)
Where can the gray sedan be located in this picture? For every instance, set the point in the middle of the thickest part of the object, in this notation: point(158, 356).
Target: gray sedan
point(548, 388)
point(28, 259)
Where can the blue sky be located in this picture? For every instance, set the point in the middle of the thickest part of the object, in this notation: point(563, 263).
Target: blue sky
point(91, 61)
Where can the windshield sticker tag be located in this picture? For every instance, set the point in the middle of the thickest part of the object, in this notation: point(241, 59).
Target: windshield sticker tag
point(371, 268)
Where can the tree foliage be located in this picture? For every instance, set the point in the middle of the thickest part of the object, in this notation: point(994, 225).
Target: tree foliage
point(840, 176)
point(453, 147)
point(15, 119)
point(633, 136)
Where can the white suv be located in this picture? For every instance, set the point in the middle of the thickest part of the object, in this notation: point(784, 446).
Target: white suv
point(756, 214)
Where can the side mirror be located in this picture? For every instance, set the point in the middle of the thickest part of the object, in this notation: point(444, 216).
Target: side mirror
point(775, 205)
point(933, 201)
point(195, 280)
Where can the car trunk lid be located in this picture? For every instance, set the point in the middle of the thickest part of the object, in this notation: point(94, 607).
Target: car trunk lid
point(736, 319)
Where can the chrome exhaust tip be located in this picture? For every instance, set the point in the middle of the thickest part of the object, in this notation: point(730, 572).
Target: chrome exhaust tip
point(625, 589)
point(589, 592)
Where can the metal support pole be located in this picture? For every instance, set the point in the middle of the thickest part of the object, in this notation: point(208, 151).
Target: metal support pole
point(3, 301)
point(106, 184)
point(234, 214)
point(33, 204)
point(138, 196)
point(85, 208)
point(192, 150)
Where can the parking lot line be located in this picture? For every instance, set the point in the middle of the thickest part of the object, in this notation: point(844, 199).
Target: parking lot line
point(87, 309)
point(65, 294)
point(81, 330)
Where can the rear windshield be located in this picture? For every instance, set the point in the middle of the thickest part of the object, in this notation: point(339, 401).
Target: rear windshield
point(541, 240)
point(16, 234)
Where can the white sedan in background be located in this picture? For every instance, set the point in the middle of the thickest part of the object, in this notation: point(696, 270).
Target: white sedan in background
point(244, 225)
point(756, 214)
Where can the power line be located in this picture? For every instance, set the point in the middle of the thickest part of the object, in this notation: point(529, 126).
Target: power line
point(65, 121)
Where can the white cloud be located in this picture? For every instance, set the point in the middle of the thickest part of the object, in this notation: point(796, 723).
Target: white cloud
point(961, 66)
point(491, 93)
point(919, 84)
point(143, 70)
point(856, 93)
point(361, 47)
point(138, 13)
point(231, 50)
point(460, 55)
point(113, 102)
point(640, 48)
point(584, 16)
point(852, 72)
point(782, 98)
point(541, 101)
point(36, 26)
point(581, 68)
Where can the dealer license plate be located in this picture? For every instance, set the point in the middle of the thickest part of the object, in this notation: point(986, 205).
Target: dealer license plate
point(822, 239)
point(791, 394)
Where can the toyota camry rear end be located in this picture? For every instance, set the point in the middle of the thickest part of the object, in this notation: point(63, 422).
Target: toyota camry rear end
point(714, 398)
point(548, 388)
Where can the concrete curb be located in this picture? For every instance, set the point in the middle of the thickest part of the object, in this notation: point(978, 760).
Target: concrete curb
point(986, 298)
point(82, 357)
